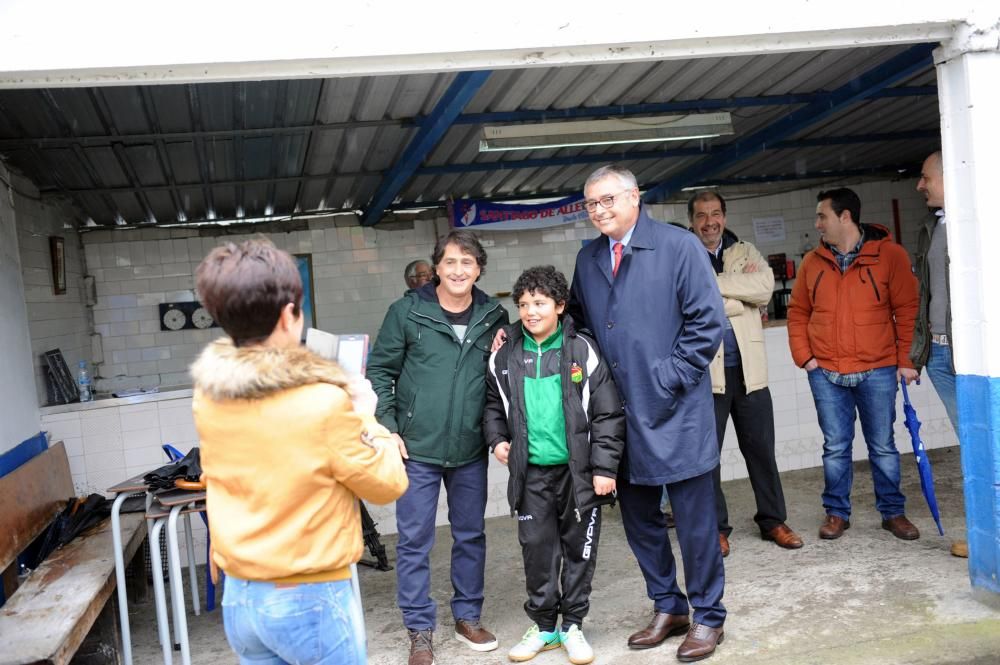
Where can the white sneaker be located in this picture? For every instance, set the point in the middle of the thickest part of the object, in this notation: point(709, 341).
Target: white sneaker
point(576, 646)
point(533, 643)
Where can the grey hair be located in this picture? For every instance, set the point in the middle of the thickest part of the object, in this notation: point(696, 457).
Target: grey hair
point(625, 177)
point(411, 268)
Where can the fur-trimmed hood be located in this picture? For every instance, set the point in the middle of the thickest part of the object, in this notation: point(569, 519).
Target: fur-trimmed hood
point(224, 371)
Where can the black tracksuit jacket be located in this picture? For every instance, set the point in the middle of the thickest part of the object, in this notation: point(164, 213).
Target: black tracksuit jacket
point(595, 421)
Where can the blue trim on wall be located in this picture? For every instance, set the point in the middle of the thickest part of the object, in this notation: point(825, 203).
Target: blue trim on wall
point(22, 452)
point(16, 457)
point(979, 432)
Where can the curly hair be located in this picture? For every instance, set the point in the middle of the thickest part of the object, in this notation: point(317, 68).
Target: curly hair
point(542, 279)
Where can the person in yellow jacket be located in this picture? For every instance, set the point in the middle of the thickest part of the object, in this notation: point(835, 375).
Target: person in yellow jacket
point(288, 445)
point(739, 370)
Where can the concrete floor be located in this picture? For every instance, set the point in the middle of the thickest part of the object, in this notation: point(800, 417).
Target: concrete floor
point(865, 598)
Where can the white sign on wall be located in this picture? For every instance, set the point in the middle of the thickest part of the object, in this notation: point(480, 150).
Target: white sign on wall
point(769, 230)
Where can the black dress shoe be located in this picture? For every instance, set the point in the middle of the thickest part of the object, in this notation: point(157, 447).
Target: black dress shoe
point(660, 627)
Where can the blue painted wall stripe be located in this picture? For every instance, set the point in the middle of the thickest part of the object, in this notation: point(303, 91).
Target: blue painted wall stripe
point(979, 432)
point(22, 453)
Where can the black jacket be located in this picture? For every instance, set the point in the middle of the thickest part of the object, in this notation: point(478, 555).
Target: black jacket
point(592, 408)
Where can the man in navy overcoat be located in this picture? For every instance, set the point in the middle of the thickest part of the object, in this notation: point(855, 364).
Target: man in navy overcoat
point(648, 293)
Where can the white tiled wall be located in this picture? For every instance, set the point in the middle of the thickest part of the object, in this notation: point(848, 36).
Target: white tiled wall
point(358, 271)
point(357, 274)
point(108, 445)
point(55, 321)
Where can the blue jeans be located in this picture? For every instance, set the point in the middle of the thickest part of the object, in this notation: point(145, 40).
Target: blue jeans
point(874, 401)
point(415, 514)
point(942, 374)
point(316, 624)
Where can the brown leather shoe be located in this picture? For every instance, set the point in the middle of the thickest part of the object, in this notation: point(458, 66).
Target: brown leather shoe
point(421, 647)
point(833, 527)
point(783, 537)
point(472, 633)
point(901, 527)
point(724, 545)
point(960, 548)
point(660, 627)
point(700, 642)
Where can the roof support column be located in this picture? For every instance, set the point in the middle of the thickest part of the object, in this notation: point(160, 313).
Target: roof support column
point(968, 68)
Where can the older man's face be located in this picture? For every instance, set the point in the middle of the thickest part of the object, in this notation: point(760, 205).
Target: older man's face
point(709, 222)
point(421, 275)
point(615, 208)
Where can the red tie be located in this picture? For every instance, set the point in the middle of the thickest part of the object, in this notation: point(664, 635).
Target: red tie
point(617, 249)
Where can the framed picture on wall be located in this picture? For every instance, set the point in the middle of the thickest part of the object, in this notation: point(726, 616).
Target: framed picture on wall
point(57, 252)
point(304, 262)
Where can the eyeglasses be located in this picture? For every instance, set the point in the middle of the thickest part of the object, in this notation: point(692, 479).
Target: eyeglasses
point(605, 201)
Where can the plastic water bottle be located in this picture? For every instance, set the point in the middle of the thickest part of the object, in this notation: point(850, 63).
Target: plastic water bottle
point(83, 379)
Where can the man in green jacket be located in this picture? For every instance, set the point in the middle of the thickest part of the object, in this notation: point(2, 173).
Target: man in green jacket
point(428, 367)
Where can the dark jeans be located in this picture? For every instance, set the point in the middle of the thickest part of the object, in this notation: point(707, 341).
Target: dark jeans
point(874, 401)
point(646, 531)
point(753, 419)
point(559, 548)
point(415, 513)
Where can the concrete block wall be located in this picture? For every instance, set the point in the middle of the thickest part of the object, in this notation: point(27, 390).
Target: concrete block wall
point(54, 321)
point(18, 402)
point(357, 272)
point(798, 207)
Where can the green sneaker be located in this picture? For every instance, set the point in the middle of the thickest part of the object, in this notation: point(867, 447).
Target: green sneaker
point(533, 643)
point(576, 646)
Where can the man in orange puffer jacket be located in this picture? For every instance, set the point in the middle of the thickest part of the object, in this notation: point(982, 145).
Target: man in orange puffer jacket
point(850, 326)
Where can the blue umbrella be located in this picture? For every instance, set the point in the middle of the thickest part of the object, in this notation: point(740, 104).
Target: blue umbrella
point(920, 455)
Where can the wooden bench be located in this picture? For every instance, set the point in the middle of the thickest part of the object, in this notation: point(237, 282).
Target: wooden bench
point(60, 614)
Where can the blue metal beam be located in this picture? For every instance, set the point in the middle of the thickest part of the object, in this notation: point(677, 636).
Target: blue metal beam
point(458, 94)
point(686, 106)
point(898, 170)
point(863, 87)
point(637, 155)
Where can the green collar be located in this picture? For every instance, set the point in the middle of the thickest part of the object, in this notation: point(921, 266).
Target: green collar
point(553, 341)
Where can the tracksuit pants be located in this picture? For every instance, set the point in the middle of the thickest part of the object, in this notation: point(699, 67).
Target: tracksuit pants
point(558, 571)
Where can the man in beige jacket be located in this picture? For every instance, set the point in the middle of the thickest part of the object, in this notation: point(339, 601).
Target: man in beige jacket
point(739, 370)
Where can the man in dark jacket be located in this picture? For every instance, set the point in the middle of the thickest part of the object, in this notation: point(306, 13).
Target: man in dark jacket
point(428, 367)
point(932, 335)
point(648, 293)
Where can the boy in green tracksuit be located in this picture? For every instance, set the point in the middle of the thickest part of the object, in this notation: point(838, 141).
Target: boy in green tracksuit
point(554, 417)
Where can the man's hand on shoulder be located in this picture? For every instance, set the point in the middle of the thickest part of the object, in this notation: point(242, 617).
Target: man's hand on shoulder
point(498, 341)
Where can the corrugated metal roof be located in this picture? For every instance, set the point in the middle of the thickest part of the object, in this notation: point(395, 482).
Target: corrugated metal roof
point(163, 154)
